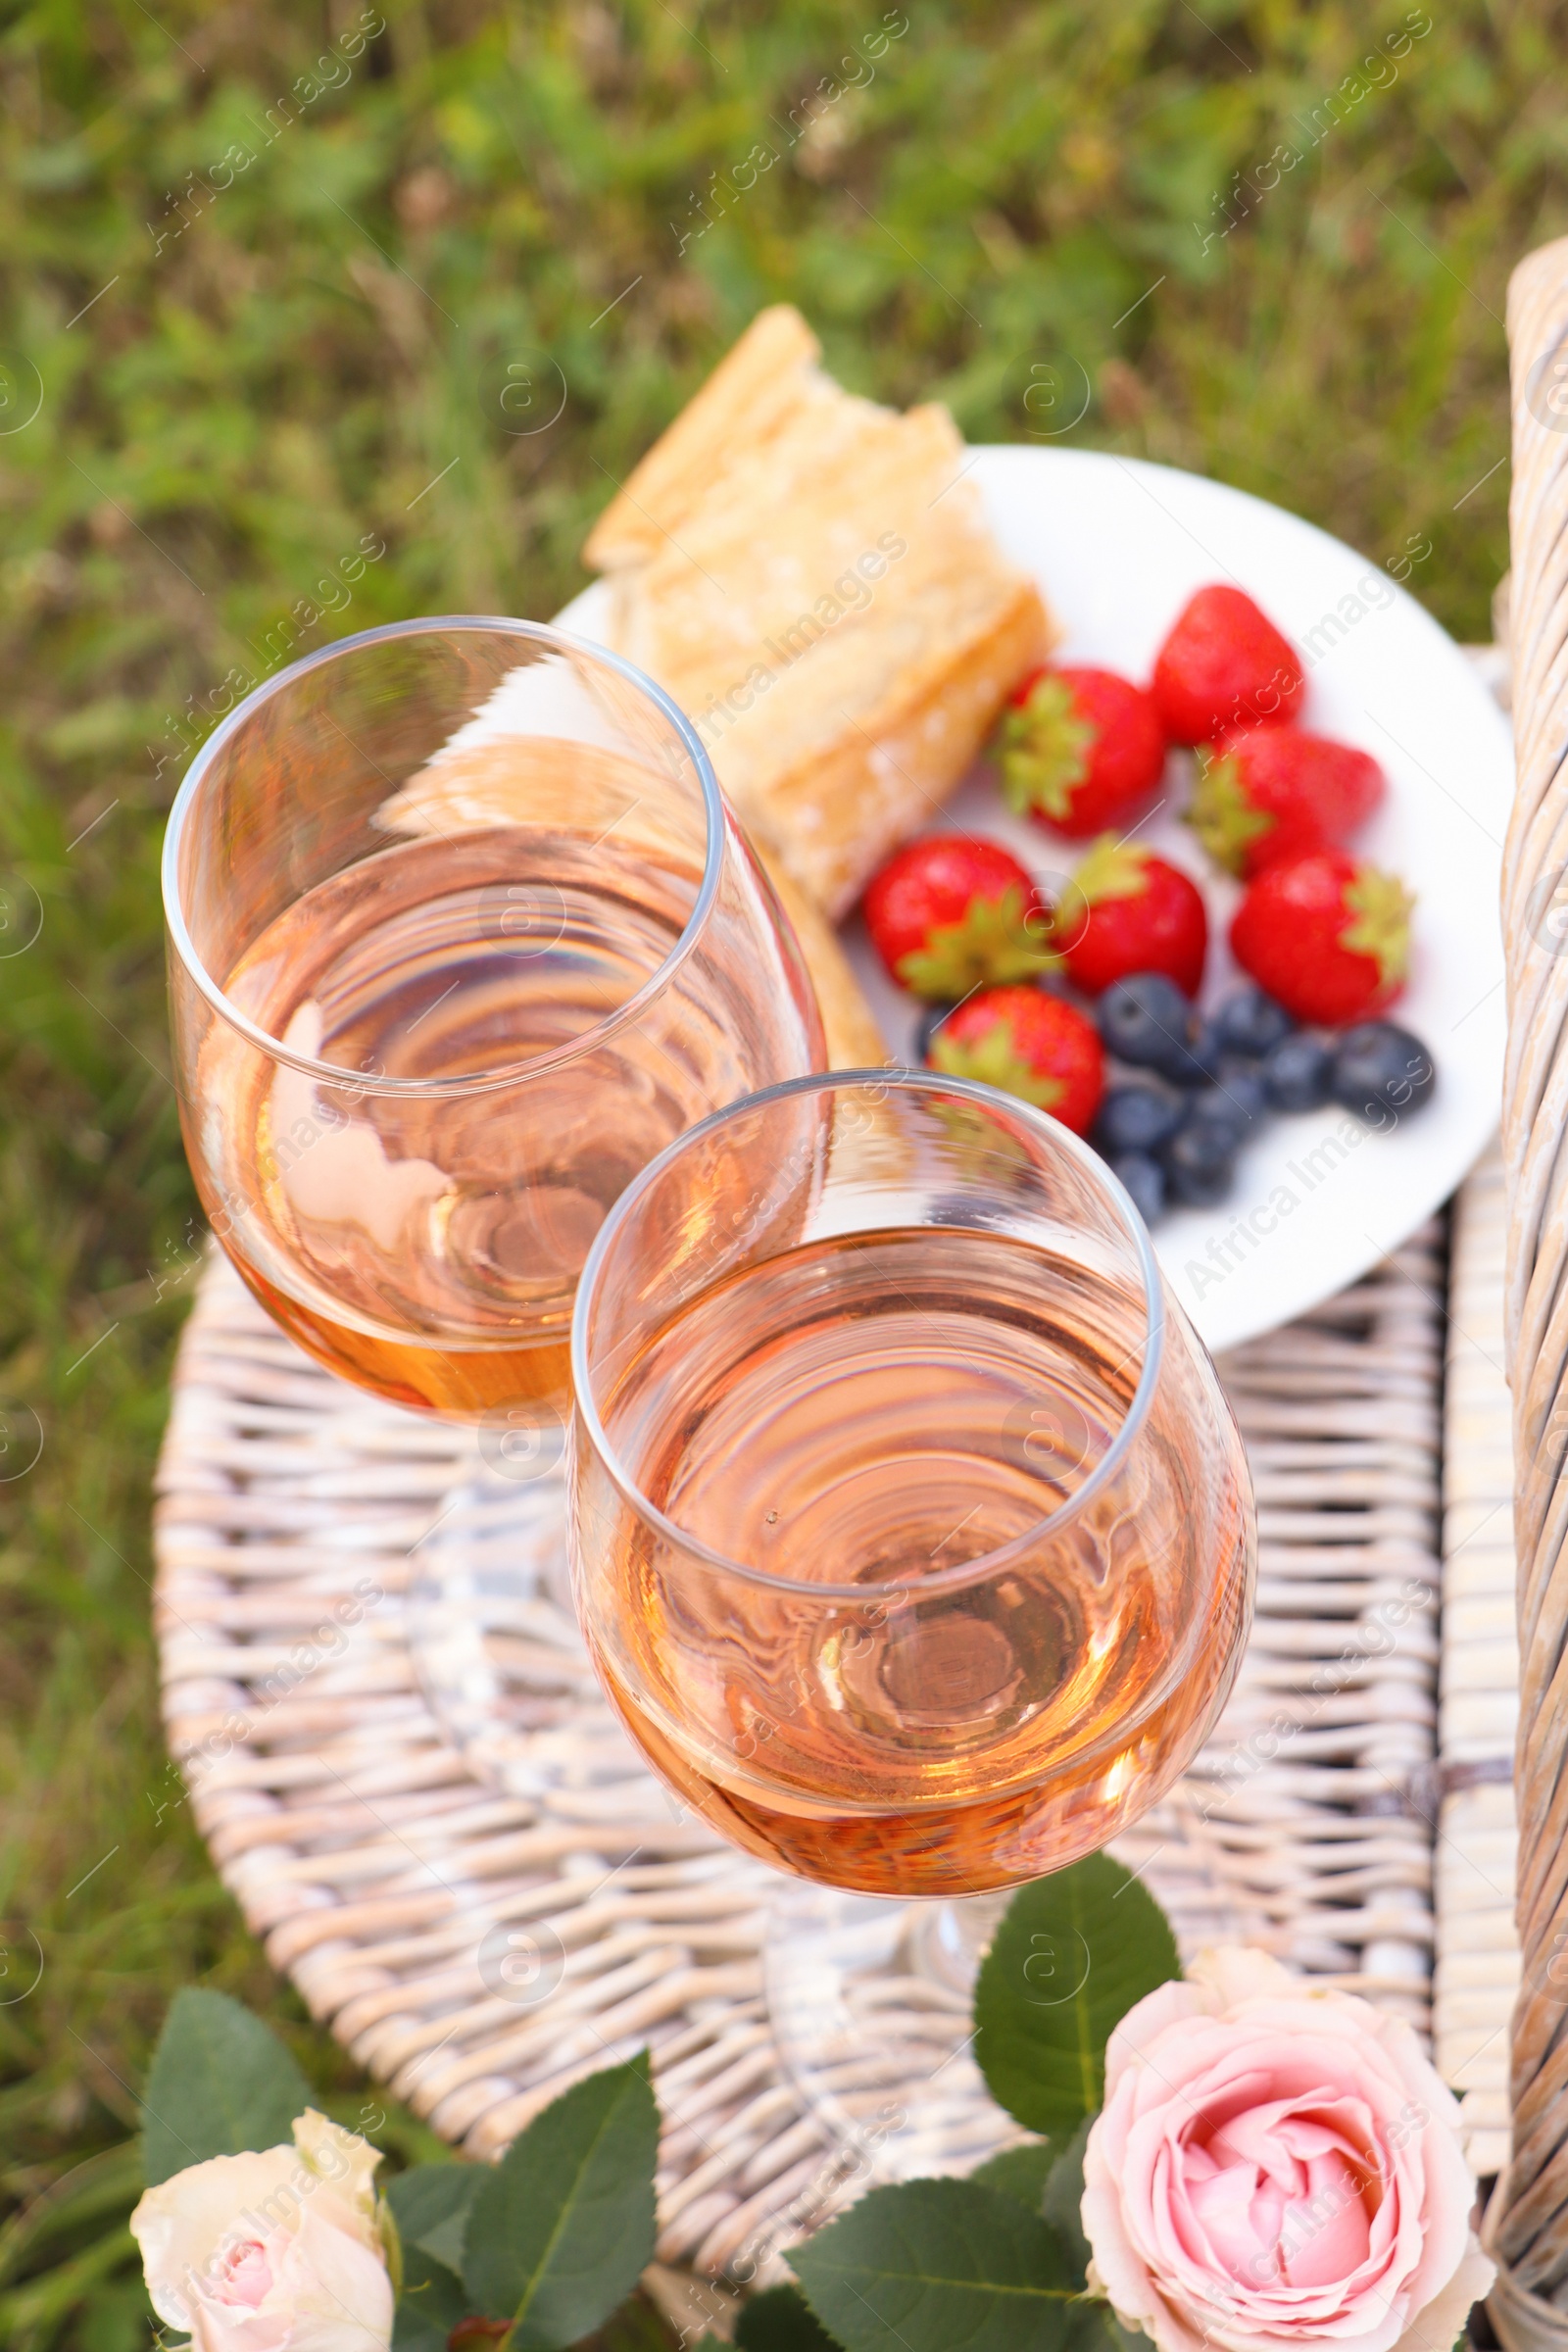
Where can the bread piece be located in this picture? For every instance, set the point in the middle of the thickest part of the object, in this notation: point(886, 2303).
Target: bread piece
point(822, 595)
point(538, 780)
point(843, 807)
point(762, 382)
point(501, 780)
point(854, 1042)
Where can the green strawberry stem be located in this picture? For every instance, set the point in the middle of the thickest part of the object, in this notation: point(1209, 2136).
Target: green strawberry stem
point(1381, 906)
point(1110, 870)
point(995, 1060)
point(1045, 749)
point(1221, 816)
point(993, 943)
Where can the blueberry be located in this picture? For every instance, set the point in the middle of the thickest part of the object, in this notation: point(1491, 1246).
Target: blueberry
point(1146, 1021)
point(1241, 1087)
point(1145, 1179)
point(1250, 1023)
point(1295, 1072)
point(1381, 1069)
point(1217, 1119)
point(1230, 1109)
point(931, 1020)
point(1137, 1117)
point(1198, 1062)
point(1200, 1163)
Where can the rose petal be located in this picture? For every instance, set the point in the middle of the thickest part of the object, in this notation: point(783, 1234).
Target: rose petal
point(1325, 2235)
point(272, 2251)
point(1168, 2005)
point(346, 2166)
point(247, 2277)
point(338, 2294)
point(1437, 2324)
point(1277, 2162)
point(1240, 2218)
point(179, 2224)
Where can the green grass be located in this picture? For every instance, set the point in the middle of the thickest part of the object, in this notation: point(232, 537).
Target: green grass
point(314, 352)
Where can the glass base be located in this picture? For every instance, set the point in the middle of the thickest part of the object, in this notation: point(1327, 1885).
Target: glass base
point(870, 2003)
point(495, 1642)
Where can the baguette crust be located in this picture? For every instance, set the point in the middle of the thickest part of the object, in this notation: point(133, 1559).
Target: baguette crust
point(854, 1042)
point(809, 577)
point(752, 394)
point(835, 816)
point(540, 781)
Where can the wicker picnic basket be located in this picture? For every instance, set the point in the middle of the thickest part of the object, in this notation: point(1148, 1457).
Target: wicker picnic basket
point(1354, 1812)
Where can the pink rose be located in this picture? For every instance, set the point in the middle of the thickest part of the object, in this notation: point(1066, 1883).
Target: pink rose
point(275, 2252)
point(1277, 2164)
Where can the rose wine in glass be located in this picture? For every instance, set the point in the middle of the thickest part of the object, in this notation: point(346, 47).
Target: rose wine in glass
point(879, 1409)
point(911, 1531)
point(461, 935)
point(428, 1246)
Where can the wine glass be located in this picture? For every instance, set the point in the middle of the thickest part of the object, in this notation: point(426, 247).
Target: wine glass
point(911, 1537)
point(461, 935)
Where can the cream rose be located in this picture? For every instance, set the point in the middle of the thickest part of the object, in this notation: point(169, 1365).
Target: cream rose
point(1276, 2165)
point(275, 2252)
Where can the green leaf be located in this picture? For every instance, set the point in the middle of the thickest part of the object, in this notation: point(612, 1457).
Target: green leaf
point(1018, 2173)
point(639, 2325)
point(781, 2321)
point(1093, 2327)
point(1073, 1955)
point(220, 2082)
point(562, 2227)
point(1063, 2200)
point(430, 2204)
point(932, 2264)
point(432, 2304)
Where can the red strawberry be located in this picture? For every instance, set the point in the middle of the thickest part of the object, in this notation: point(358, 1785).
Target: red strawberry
point(1126, 911)
point(1028, 1044)
point(1224, 664)
point(949, 912)
point(1270, 795)
point(1327, 936)
point(1080, 748)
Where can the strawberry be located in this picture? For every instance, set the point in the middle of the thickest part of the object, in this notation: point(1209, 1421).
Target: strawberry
point(948, 914)
point(1224, 664)
point(1028, 1044)
point(1126, 911)
point(1327, 936)
point(1080, 748)
point(1269, 795)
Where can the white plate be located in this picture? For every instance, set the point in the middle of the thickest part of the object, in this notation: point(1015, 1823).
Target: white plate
point(1117, 547)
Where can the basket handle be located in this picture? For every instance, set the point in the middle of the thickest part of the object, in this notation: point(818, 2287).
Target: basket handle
point(1527, 2222)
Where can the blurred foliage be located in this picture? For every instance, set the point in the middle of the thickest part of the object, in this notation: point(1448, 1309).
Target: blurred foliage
point(277, 285)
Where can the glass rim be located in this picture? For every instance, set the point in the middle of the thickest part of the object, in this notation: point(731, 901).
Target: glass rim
point(984, 1565)
point(478, 1082)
